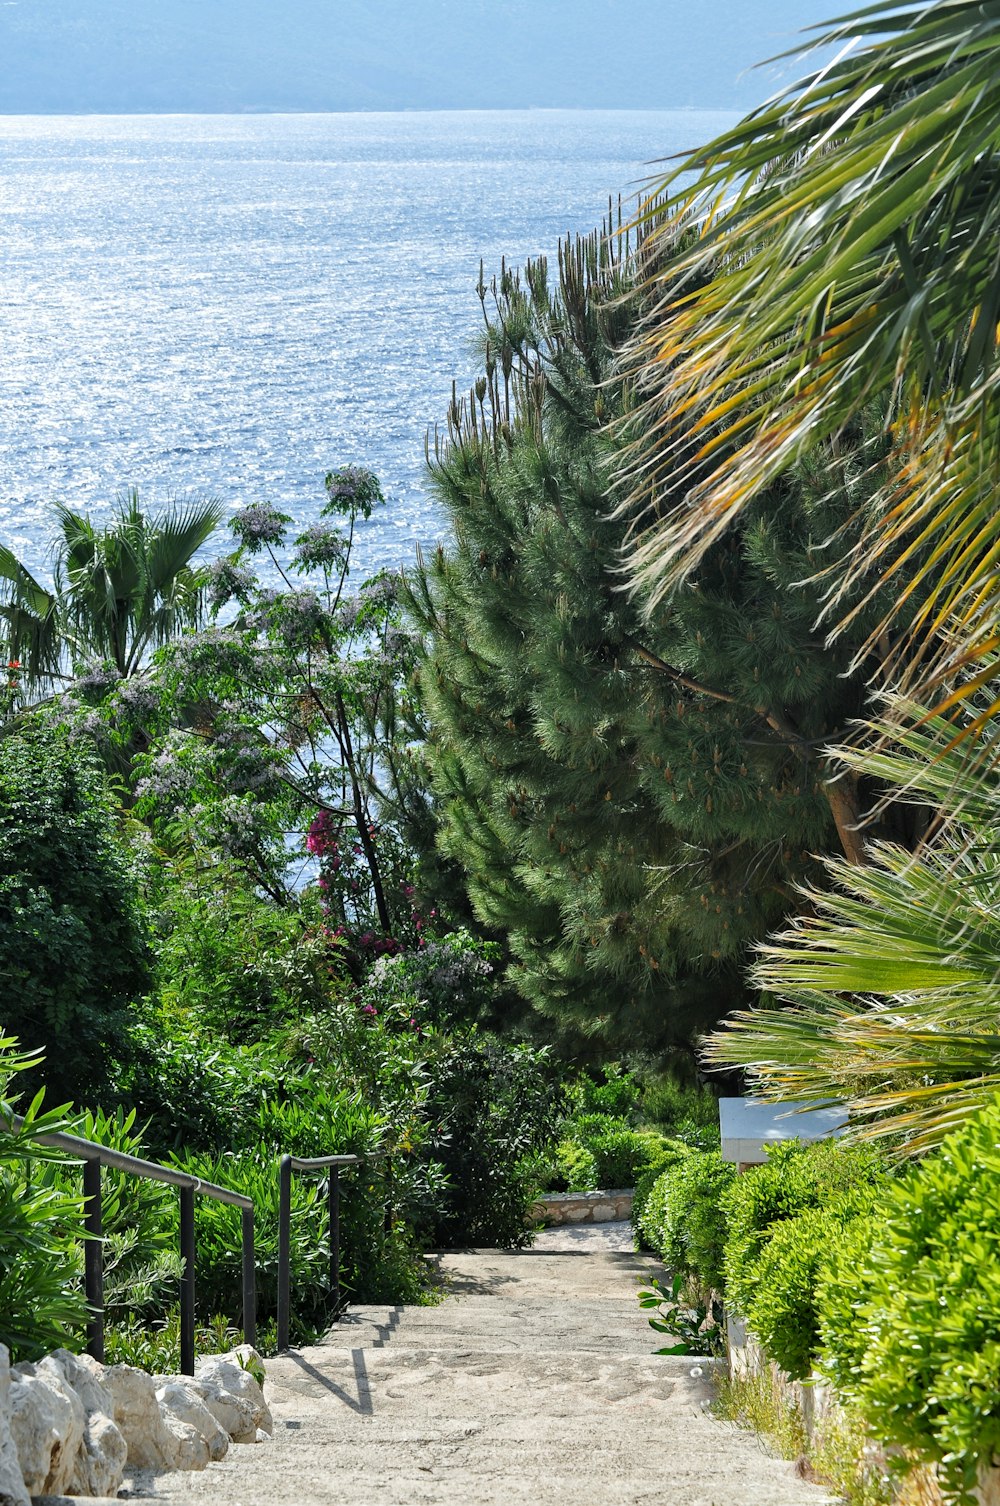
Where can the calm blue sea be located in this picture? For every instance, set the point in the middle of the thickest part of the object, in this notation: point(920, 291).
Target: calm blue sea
point(230, 306)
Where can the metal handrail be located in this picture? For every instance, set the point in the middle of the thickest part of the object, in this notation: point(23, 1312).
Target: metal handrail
point(286, 1166)
point(94, 1156)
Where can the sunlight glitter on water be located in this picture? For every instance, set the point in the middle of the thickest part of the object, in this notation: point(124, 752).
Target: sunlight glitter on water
point(232, 305)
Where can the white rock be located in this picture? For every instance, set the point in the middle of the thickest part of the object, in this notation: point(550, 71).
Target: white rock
point(157, 1438)
point(100, 1464)
point(231, 1393)
point(181, 1407)
point(47, 1421)
point(137, 1414)
point(12, 1488)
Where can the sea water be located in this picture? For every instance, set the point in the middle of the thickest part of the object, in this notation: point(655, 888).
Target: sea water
point(230, 306)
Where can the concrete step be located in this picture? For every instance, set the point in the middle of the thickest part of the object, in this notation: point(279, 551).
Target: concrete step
point(609, 1326)
point(532, 1384)
point(476, 1381)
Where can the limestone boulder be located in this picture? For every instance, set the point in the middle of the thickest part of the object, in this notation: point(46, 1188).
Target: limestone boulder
point(158, 1437)
point(183, 1411)
point(100, 1463)
point(137, 1414)
point(228, 1386)
point(12, 1487)
point(47, 1422)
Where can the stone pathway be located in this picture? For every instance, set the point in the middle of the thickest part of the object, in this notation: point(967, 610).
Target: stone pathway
point(532, 1383)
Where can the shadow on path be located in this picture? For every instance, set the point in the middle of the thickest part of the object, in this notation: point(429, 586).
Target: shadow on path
point(363, 1405)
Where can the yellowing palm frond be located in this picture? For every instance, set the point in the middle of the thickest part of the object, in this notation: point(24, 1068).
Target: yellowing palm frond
point(849, 246)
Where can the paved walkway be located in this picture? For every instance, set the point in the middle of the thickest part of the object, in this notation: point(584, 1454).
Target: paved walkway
point(532, 1383)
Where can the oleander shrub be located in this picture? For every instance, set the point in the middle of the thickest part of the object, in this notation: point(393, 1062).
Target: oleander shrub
point(494, 1110)
point(925, 1372)
point(41, 1225)
point(142, 1265)
point(684, 1219)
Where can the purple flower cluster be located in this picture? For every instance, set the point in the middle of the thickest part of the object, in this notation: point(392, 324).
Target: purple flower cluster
point(258, 525)
point(138, 696)
point(228, 580)
point(94, 680)
point(320, 548)
point(297, 616)
point(353, 489)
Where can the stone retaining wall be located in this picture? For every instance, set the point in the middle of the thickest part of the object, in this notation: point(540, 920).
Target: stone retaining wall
point(583, 1207)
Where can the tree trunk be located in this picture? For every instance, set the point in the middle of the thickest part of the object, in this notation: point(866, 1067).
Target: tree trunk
point(842, 796)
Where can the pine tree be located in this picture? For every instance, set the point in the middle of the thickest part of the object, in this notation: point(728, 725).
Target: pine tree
point(633, 798)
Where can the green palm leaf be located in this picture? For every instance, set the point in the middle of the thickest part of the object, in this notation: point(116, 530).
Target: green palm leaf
point(849, 245)
point(121, 590)
point(885, 992)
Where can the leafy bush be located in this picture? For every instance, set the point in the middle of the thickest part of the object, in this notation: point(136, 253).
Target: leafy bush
point(41, 1229)
point(666, 1153)
point(585, 1127)
point(682, 1112)
point(570, 1168)
point(795, 1179)
point(190, 1090)
point(696, 1324)
point(620, 1156)
point(929, 1375)
point(238, 964)
point(617, 1096)
point(73, 951)
point(684, 1219)
point(782, 1311)
point(495, 1107)
point(841, 1295)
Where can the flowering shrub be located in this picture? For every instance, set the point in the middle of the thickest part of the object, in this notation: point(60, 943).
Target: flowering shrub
point(258, 526)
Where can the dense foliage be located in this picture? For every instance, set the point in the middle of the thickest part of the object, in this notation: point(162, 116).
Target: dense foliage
point(74, 954)
point(40, 1227)
point(631, 793)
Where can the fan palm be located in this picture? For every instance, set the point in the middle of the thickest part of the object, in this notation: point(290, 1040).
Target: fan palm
point(119, 590)
point(848, 246)
point(886, 992)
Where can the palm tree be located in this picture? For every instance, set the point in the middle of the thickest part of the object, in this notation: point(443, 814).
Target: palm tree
point(119, 591)
point(848, 246)
point(884, 992)
point(847, 250)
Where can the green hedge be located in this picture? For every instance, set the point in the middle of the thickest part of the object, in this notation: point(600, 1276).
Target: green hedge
point(684, 1218)
point(918, 1350)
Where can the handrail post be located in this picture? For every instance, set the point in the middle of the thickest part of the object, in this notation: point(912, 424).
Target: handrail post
point(249, 1280)
point(187, 1280)
point(284, 1251)
point(93, 1259)
point(335, 1236)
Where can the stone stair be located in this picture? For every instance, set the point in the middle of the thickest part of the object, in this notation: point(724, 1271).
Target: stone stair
point(533, 1382)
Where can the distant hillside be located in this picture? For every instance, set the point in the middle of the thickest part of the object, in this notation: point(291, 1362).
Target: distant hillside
point(236, 55)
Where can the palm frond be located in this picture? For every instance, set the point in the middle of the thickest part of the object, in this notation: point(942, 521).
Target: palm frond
point(848, 245)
